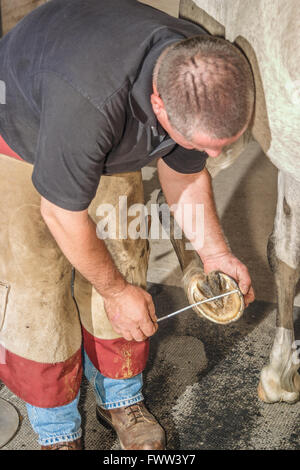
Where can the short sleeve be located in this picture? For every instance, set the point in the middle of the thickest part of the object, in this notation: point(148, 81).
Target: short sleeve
point(186, 161)
point(73, 141)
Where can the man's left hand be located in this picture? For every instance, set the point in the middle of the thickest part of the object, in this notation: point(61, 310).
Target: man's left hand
point(229, 264)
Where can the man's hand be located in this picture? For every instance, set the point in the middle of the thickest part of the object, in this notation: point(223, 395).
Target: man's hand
point(131, 313)
point(227, 263)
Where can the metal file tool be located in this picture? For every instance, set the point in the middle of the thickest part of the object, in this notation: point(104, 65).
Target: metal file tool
point(197, 303)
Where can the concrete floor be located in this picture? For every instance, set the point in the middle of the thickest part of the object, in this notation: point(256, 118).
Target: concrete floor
point(200, 383)
point(201, 378)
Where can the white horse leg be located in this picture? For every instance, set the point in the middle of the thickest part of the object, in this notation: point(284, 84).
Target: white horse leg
point(280, 380)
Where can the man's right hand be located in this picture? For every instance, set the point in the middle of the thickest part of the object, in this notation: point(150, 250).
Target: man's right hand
point(131, 313)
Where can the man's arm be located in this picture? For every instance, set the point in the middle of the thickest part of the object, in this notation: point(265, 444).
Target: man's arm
point(129, 308)
point(180, 189)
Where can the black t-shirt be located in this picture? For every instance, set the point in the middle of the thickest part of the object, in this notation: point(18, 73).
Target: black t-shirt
point(78, 77)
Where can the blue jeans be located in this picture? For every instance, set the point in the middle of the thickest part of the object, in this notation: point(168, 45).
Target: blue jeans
point(63, 423)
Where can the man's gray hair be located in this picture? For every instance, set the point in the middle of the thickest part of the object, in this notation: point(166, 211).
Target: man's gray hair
point(205, 83)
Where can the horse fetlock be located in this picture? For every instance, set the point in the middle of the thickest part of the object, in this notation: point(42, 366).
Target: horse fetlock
point(270, 389)
point(279, 380)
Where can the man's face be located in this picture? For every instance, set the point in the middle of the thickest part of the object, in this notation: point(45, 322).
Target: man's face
point(201, 141)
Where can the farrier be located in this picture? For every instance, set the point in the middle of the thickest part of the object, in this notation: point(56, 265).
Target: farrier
point(96, 90)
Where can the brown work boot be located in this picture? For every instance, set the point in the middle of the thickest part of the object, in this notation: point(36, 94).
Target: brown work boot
point(71, 445)
point(136, 427)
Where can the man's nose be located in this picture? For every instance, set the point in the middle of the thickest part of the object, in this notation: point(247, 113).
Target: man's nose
point(213, 153)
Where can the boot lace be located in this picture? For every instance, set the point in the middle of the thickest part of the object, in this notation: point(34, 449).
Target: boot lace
point(136, 414)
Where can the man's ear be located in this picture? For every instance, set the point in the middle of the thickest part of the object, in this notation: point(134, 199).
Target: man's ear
point(157, 104)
